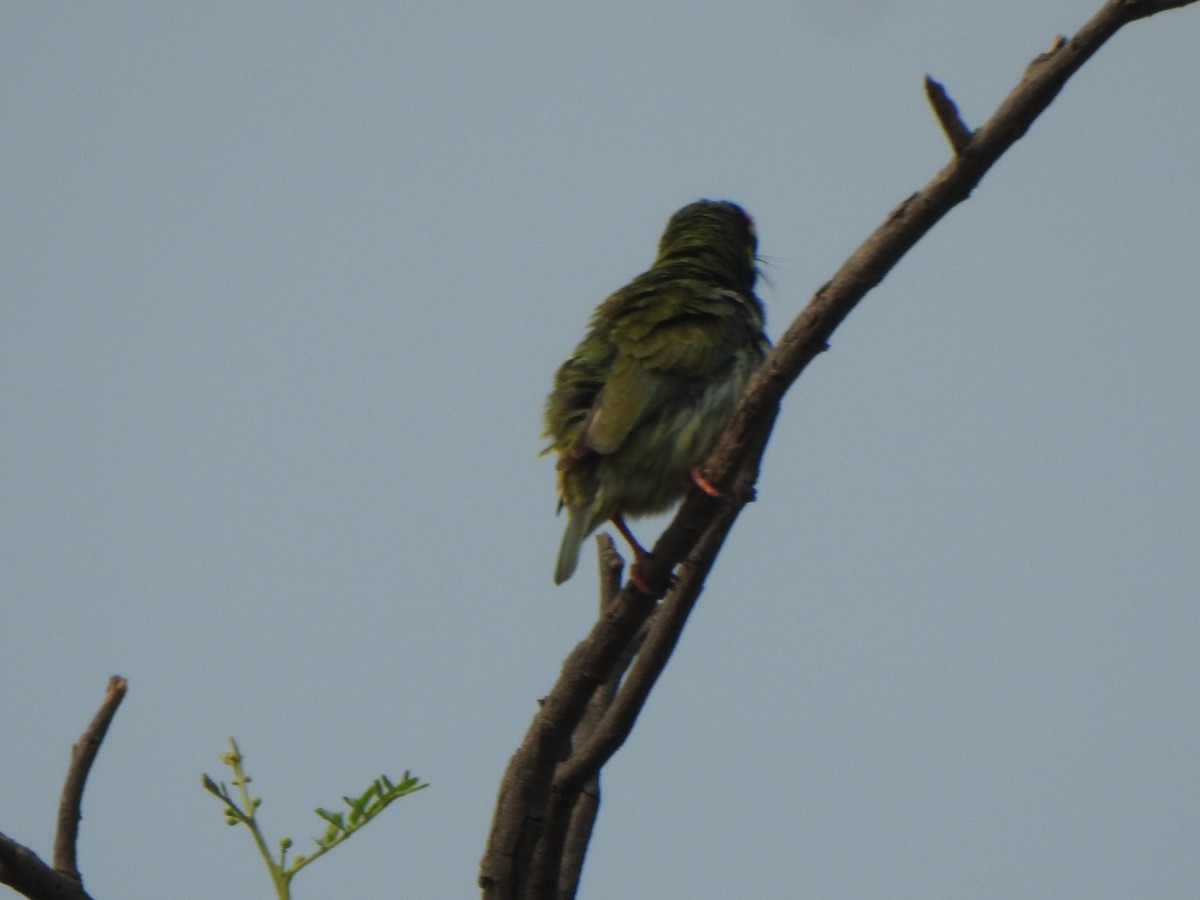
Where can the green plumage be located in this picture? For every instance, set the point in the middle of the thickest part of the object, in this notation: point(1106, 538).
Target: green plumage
point(652, 385)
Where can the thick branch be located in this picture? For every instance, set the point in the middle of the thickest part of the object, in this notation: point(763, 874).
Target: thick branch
point(586, 805)
point(558, 860)
point(701, 524)
point(23, 871)
point(1150, 7)
point(521, 808)
point(665, 628)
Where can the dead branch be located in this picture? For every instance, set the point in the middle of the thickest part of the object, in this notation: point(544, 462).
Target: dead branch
point(21, 868)
point(83, 754)
point(530, 803)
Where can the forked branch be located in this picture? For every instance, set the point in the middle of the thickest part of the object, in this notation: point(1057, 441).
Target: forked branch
point(20, 867)
point(555, 762)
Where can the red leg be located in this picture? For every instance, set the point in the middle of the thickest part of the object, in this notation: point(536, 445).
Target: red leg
point(640, 555)
point(639, 552)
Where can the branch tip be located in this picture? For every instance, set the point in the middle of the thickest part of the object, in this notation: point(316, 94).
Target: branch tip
point(83, 754)
point(612, 566)
point(956, 131)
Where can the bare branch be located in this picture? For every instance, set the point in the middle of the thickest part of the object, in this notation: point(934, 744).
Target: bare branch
point(23, 871)
point(665, 627)
point(957, 132)
point(21, 868)
point(579, 834)
point(521, 808)
point(1144, 8)
point(564, 829)
point(611, 568)
point(809, 333)
point(586, 797)
point(538, 791)
point(83, 754)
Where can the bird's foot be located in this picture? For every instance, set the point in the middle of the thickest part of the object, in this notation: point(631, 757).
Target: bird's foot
point(643, 584)
point(641, 558)
point(639, 552)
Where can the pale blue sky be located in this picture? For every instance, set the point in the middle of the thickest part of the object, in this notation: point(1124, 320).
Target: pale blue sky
point(283, 286)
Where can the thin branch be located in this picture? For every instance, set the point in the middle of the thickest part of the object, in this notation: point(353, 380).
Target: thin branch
point(21, 868)
point(957, 132)
point(579, 835)
point(83, 754)
point(809, 333)
point(611, 569)
point(702, 522)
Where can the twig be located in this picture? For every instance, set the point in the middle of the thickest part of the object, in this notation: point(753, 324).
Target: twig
point(83, 754)
point(957, 132)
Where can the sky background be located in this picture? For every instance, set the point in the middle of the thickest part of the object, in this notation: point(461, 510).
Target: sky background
point(283, 287)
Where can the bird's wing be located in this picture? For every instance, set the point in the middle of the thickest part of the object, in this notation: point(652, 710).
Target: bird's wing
point(675, 336)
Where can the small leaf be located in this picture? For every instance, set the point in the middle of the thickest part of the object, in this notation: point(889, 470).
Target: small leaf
point(332, 818)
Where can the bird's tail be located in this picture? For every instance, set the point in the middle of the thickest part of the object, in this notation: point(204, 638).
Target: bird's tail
point(568, 553)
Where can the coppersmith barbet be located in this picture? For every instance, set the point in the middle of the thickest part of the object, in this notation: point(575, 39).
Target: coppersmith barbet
point(647, 392)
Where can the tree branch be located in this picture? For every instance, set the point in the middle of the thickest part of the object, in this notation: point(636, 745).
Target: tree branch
point(957, 132)
point(587, 800)
point(558, 860)
point(809, 333)
point(665, 627)
point(83, 754)
point(537, 780)
point(23, 871)
point(21, 868)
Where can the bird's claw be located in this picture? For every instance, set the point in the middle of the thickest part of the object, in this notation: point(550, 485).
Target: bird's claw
point(642, 584)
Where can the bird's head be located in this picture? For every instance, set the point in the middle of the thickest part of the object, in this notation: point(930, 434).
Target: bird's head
point(716, 236)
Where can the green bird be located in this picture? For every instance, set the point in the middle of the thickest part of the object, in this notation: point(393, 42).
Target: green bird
point(649, 390)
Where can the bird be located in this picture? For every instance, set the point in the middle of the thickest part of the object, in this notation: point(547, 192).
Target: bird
point(643, 398)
